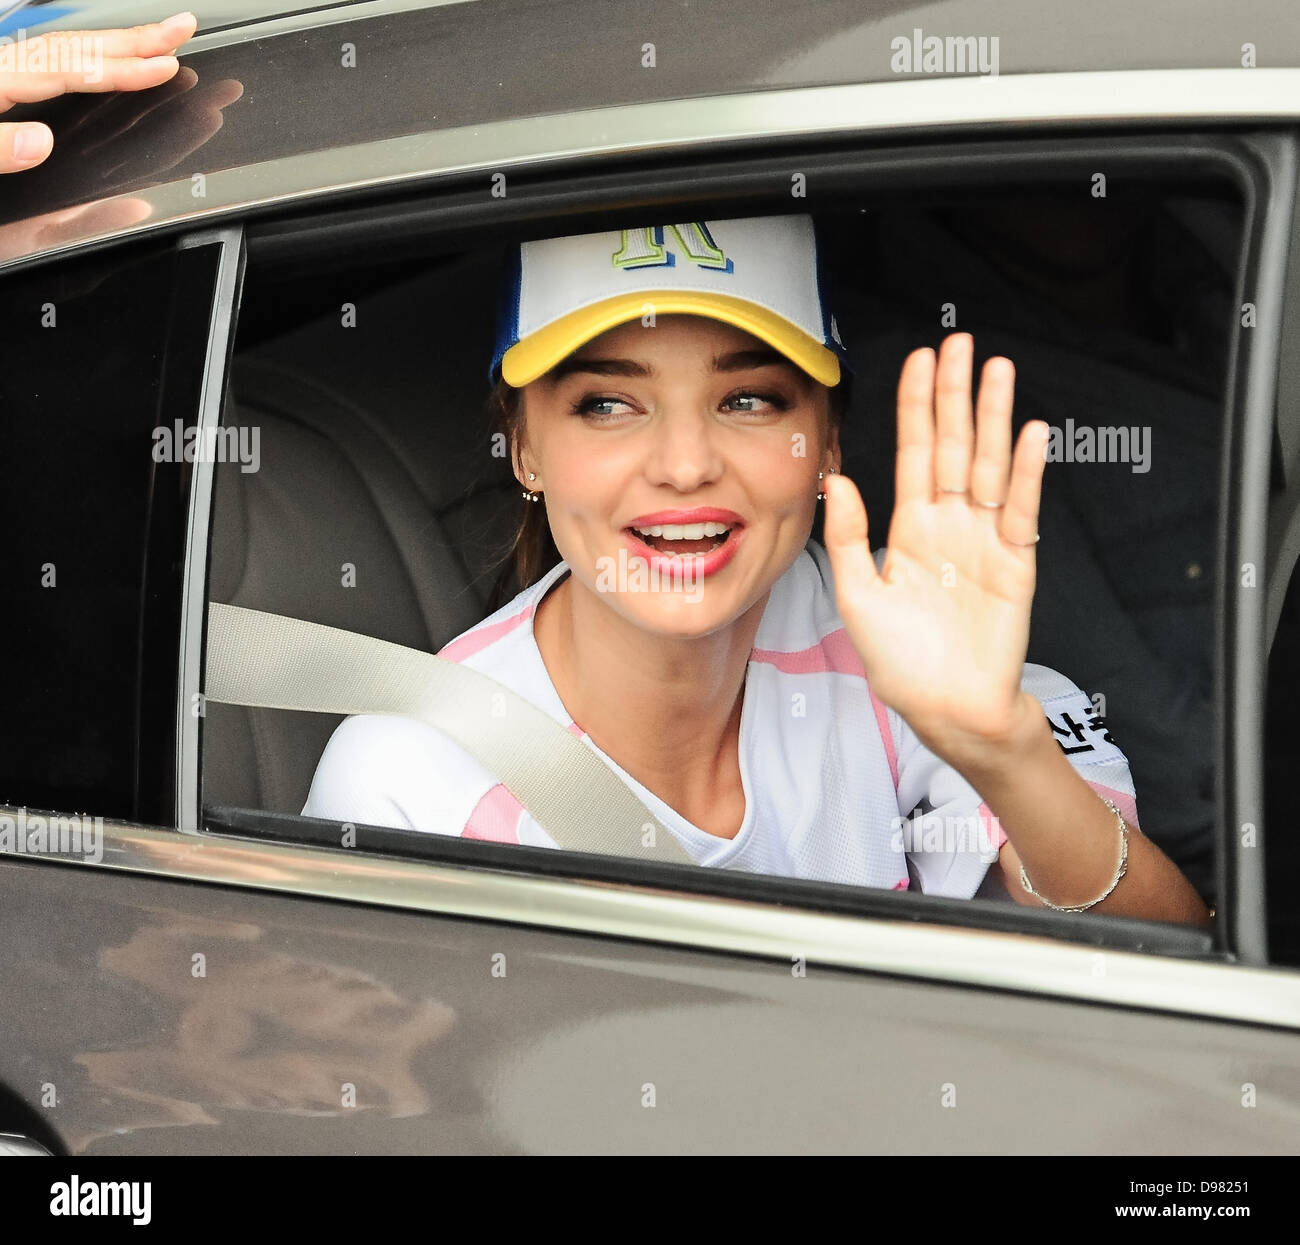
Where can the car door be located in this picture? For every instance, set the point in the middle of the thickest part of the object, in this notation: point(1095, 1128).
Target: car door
point(225, 978)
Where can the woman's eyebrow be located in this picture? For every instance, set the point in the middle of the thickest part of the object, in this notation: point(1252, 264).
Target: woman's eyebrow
point(741, 360)
point(600, 367)
point(736, 361)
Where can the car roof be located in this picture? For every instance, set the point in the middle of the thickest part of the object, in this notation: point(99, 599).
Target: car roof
point(835, 40)
point(465, 68)
point(39, 16)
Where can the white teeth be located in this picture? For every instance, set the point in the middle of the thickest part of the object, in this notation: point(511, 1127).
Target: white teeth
point(684, 531)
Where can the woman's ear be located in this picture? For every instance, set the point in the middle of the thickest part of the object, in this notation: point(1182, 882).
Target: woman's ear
point(521, 468)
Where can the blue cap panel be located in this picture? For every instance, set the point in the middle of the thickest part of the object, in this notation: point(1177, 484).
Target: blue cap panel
point(826, 295)
point(507, 315)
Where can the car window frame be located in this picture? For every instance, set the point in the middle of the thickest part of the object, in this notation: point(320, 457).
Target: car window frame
point(192, 638)
point(238, 859)
point(163, 536)
point(1252, 157)
point(1242, 615)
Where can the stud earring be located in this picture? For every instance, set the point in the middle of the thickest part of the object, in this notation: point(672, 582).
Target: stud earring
point(528, 494)
point(821, 475)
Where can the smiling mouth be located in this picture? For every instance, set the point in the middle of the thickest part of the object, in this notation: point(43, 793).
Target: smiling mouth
point(682, 540)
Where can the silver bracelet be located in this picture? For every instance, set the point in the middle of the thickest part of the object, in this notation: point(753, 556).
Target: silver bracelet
point(1120, 870)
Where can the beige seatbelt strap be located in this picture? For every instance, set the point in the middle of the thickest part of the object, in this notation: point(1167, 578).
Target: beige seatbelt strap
point(272, 662)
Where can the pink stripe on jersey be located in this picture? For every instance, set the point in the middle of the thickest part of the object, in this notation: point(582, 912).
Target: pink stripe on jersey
point(835, 653)
point(903, 884)
point(1122, 801)
point(495, 817)
point(475, 641)
point(886, 735)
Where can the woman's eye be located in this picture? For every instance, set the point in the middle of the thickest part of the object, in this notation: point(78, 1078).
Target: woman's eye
point(601, 408)
point(756, 403)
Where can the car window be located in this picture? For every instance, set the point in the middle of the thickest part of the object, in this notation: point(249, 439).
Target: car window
point(103, 359)
point(380, 506)
point(1115, 320)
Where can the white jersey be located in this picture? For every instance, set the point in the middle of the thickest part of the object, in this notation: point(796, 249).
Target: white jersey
point(837, 786)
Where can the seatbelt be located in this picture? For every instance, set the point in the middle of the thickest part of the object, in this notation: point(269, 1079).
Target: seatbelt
point(272, 662)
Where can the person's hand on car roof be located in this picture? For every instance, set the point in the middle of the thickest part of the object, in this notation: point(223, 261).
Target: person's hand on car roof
point(131, 59)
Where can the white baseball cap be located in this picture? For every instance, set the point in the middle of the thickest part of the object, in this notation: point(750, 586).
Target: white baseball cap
point(761, 274)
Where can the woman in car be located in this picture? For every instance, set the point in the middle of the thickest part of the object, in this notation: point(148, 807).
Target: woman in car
point(672, 398)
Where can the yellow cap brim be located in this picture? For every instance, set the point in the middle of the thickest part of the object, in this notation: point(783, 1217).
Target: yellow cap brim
point(537, 353)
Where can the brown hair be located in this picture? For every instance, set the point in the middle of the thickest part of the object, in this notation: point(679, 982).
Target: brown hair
point(532, 552)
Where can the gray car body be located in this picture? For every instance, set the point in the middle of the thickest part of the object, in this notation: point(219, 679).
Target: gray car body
point(448, 68)
point(510, 1011)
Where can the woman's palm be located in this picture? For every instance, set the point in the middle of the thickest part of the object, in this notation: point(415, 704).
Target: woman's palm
point(944, 628)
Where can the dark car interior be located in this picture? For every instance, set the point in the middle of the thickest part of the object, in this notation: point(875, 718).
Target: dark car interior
point(364, 367)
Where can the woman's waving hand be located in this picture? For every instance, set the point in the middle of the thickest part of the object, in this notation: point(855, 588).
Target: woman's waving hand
point(943, 629)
